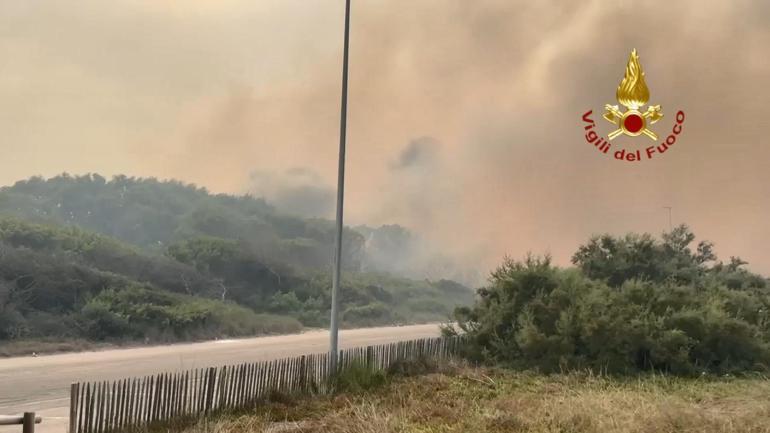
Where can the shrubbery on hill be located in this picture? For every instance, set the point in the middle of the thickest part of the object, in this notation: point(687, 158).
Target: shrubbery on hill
point(631, 303)
point(76, 252)
point(67, 283)
point(154, 214)
point(136, 313)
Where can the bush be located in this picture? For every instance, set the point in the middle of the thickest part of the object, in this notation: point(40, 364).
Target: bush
point(426, 305)
point(371, 314)
point(100, 321)
point(12, 325)
point(138, 312)
point(358, 377)
point(681, 318)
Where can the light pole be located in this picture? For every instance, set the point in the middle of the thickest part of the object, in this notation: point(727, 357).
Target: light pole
point(334, 325)
point(670, 226)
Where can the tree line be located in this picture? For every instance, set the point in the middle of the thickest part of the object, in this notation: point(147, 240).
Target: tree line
point(142, 259)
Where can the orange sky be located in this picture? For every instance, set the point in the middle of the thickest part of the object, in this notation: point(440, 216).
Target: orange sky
point(232, 94)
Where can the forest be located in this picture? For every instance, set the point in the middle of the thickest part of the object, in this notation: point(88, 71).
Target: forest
point(144, 260)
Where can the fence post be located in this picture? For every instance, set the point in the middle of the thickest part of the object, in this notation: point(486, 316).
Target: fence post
point(303, 373)
point(73, 407)
point(210, 389)
point(369, 357)
point(28, 424)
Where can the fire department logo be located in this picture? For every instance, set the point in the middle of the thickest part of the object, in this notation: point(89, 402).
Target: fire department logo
point(633, 94)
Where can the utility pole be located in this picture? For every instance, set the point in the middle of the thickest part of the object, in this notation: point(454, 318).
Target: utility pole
point(334, 325)
point(670, 226)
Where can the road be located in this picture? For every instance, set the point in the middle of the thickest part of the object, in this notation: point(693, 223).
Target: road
point(41, 384)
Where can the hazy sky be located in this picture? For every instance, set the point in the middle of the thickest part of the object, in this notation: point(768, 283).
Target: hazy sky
point(464, 115)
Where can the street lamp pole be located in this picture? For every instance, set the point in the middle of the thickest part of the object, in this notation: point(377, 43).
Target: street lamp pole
point(334, 325)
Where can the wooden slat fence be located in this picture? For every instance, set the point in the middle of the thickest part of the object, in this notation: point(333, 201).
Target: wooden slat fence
point(125, 404)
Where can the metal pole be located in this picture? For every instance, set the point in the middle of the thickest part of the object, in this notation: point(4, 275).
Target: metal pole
point(334, 326)
point(670, 226)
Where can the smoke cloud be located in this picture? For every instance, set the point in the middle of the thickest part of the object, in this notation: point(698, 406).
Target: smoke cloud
point(211, 92)
point(417, 154)
point(299, 191)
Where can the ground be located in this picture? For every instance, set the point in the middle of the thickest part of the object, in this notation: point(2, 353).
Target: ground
point(464, 399)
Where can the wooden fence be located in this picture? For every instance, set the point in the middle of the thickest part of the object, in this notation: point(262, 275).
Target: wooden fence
point(126, 404)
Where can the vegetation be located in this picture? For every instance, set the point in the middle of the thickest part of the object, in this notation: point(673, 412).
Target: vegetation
point(71, 284)
point(143, 260)
point(641, 335)
point(463, 399)
point(632, 307)
point(632, 303)
point(359, 377)
point(153, 214)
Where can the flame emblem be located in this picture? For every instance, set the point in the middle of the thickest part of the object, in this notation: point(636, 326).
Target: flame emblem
point(633, 94)
point(632, 91)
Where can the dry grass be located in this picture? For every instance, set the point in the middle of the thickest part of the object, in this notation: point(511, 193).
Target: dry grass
point(489, 400)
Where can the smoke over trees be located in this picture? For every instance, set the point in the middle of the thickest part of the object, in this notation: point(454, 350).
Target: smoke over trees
point(128, 258)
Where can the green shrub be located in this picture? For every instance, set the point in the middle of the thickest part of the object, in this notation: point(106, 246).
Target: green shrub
point(138, 312)
point(358, 377)
point(367, 314)
point(673, 313)
point(101, 322)
point(426, 305)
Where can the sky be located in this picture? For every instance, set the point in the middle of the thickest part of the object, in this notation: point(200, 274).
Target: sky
point(464, 116)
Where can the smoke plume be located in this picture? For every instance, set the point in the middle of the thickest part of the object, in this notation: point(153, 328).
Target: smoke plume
point(211, 92)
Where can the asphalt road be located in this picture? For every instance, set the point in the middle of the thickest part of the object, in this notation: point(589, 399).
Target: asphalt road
point(42, 384)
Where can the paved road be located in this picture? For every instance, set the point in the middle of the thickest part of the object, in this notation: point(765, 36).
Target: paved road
point(42, 384)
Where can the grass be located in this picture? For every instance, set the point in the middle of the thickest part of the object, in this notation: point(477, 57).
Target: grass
point(464, 399)
point(47, 346)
